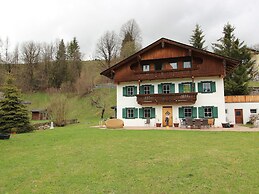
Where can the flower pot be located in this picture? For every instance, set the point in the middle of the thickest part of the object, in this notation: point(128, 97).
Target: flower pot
point(176, 124)
point(158, 124)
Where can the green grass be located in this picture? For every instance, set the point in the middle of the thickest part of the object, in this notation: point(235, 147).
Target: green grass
point(254, 84)
point(80, 159)
point(78, 107)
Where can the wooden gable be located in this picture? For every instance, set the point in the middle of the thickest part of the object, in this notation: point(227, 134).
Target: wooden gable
point(164, 52)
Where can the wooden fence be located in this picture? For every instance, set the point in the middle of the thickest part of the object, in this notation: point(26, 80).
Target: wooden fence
point(233, 99)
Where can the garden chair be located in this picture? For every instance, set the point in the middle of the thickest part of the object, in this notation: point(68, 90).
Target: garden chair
point(188, 123)
point(211, 122)
point(205, 123)
point(147, 121)
point(197, 123)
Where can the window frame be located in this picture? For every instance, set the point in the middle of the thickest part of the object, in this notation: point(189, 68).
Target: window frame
point(146, 67)
point(148, 112)
point(206, 84)
point(130, 111)
point(185, 64)
point(172, 65)
point(208, 113)
point(129, 90)
point(185, 113)
point(190, 87)
point(160, 65)
point(166, 90)
point(147, 89)
point(253, 109)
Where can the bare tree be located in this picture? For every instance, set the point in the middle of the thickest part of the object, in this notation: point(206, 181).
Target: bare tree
point(130, 38)
point(31, 56)
point(6, 58)
point(107, 48)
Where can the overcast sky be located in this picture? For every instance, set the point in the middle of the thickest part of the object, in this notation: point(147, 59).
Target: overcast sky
point(87, 20)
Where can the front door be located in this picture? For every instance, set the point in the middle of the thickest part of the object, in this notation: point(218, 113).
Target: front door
point(167, 116)
point(239, 116)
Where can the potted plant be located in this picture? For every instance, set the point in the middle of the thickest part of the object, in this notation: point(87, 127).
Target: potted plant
point(158, 124)
point(176, 122)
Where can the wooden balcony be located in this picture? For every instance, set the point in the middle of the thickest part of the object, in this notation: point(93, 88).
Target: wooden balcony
point(176, 98)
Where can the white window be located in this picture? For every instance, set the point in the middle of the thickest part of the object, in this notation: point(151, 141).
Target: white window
point(207, 112)
point(174, 65)
point(166, 88)
point(146, 67)
point(206, 87)
point(130, 90)
point(146, 89)
point(187, 111)
point(187, 64)
point(147, 112)
point(130, 113)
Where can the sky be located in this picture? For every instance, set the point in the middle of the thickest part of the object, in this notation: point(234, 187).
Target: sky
point(87, 20)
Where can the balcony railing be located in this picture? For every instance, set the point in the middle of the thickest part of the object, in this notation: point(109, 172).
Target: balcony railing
point(176, 98)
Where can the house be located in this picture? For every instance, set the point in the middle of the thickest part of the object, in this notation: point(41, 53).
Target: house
point(168, 80)
point(39, 114)
point(240, 108)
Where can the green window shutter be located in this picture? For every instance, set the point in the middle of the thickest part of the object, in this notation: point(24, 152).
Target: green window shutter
point(181, 115)
point(215, 112)
point(135, 113)
point(193, 88)
point(180, 88)
point(153, 113)
point(194, 112)
point(135, 90)
point(141, 113)
point(141, 90)
point(125, 91)
point(200, 89)
point(213, 86)
point(124, 113)
point(201, 112)
point(172, 88)
point(152, 89)
point(159, 88)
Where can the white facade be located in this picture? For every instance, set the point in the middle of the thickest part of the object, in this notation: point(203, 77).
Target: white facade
point(215, 99)
point(245, 106)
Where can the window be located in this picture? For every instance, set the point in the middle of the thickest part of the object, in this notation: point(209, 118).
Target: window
point(207, 87)
point(147, 112)
point(187, 111)
point(146, 89)
point(207, 112)
point(253, 111)
point(226, 111)
point(146, 67)
point(187, 88)
point(174, 65)
point(130, 91)
point(158, 67)
point(187, 64)
point(166, 89)
point(130, 113)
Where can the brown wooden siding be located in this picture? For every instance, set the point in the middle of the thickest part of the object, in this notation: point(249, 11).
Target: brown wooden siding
point(239, 99)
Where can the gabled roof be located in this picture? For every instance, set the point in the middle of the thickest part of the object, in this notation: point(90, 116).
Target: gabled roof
point(230, 62)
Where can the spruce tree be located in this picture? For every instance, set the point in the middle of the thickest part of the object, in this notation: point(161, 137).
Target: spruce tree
point(197, 38)
point(236, 83)
point(13, 114)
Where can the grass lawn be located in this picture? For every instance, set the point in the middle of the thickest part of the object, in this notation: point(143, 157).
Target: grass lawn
point(79, 159)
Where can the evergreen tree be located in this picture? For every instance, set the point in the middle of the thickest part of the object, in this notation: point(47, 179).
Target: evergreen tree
point(74, 58)
point(59, 68)
point(236, 83)
point(13, 114)
point(197, 38)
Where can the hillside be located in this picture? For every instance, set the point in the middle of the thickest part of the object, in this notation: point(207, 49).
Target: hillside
point(78, 107)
